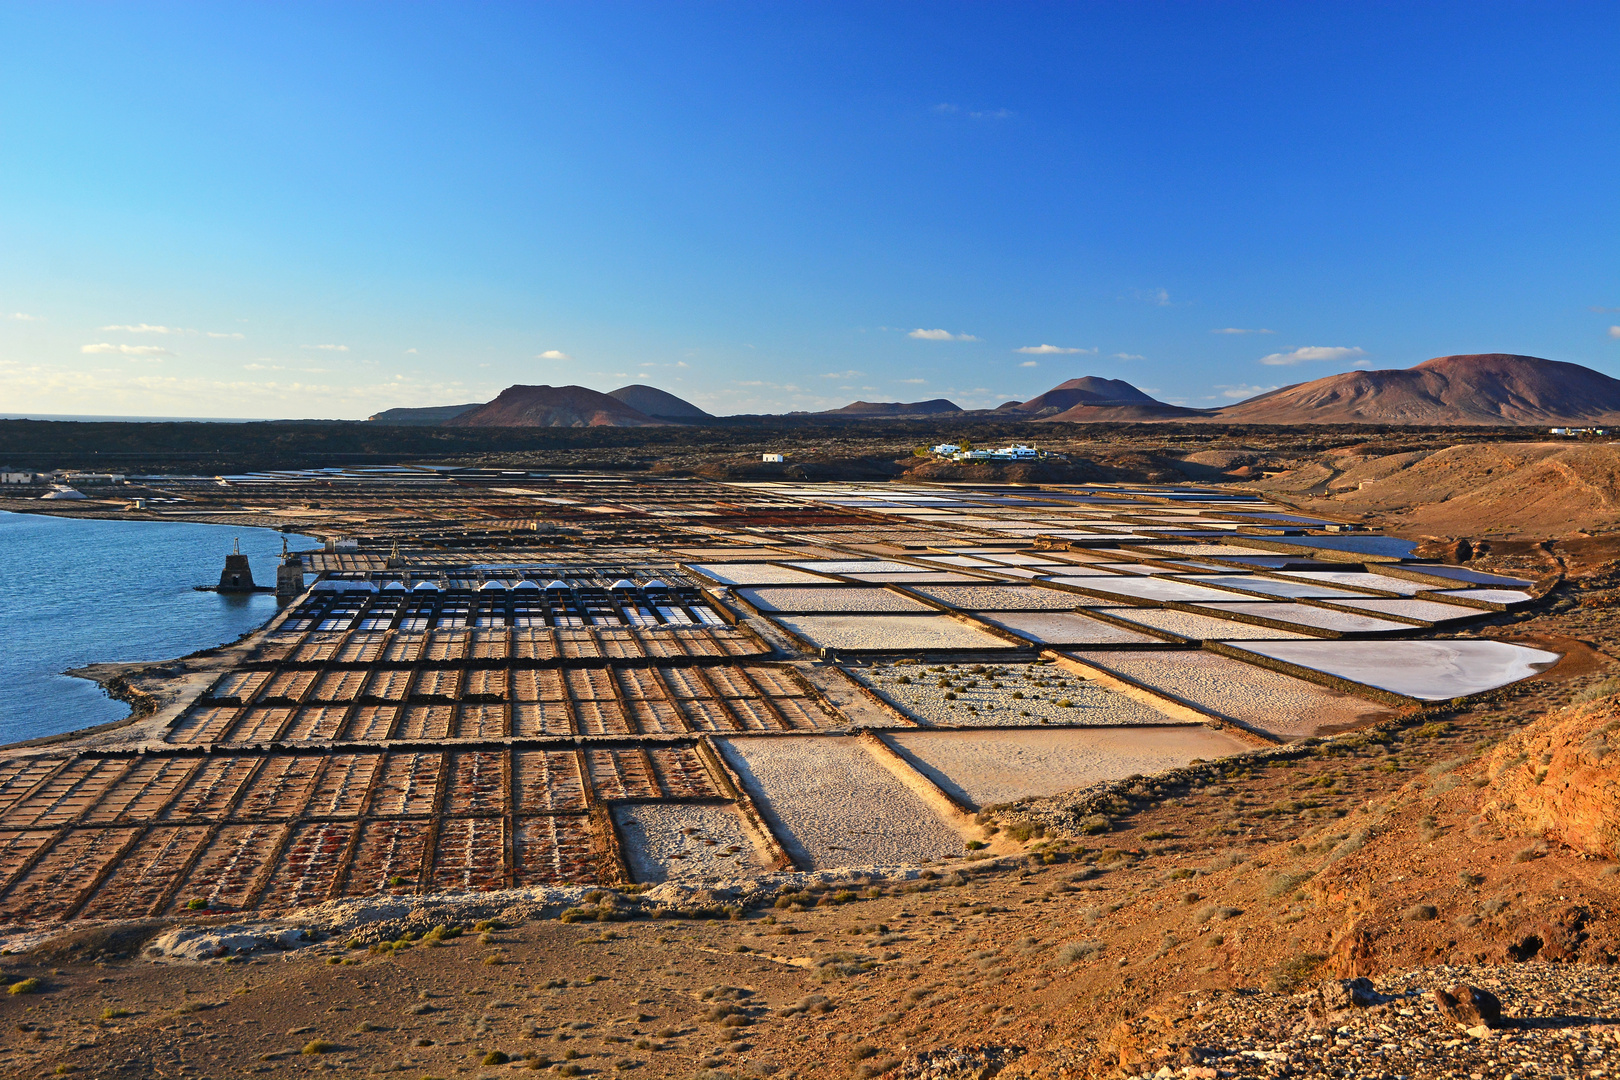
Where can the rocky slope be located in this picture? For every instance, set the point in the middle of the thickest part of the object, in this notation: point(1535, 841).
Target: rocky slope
point(1481, 388)
point(1087, 390)
point(657, 403)
point(429, 416)
point(554, 406)
point(932, 407)
point(1559, 779)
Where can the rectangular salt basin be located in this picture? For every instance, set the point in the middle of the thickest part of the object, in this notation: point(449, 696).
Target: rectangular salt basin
point(925, 577)
point(658, 845)
point(891, 633)
point(1476, 577)
point(1195, 627)
point(829, 598)
point(985, 768)
point(854, 566)
point(1063, 628)
point(1002, 597)
point(1272, 587)
point(1257, 697)
point(1435, 670)
point(831, 803)
point(755, 574)
point(1153, 588)
point(1424, 610)
point(1362, 579)
point(984, 695)
point(1337, 622)
point(1490, 596)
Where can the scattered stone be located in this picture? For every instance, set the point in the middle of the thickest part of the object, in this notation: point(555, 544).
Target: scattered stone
point(1469, 1006)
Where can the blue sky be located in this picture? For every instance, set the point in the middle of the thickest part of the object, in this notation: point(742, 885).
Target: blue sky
point(326, 210)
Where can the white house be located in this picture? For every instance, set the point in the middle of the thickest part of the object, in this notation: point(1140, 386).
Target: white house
point(11, 475)
point(774, 459)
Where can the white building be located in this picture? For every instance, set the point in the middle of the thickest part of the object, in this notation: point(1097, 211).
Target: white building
point(11, 475)
point(774, 459)
point(945, 449)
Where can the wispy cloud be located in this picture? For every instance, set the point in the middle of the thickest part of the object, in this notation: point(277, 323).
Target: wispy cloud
point(939, 335)
point(262, 365)
point(1241, 330)
point(913, 382)
point(146, 351)
point(227, 335)
point(1599, 308)
point(23, 316)
point(410, 352)
point(147, 328)
point(852, 374)
point(327, 348)
point(1614, 331)
point(1128, 356)
point(1311, 353)
point(1049, 350)
point(1156, 297)
point(553, 354)
point(945, 108)
point(1237, 393)
point(1030, 363)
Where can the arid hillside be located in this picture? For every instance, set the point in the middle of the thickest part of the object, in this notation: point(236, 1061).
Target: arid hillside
point(554, 406)
point(1506, 490)
point(1482, 388)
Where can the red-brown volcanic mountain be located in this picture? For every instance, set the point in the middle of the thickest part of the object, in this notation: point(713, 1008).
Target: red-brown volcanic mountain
point(554, 406)
point(1089, 390)
point(1481, 388)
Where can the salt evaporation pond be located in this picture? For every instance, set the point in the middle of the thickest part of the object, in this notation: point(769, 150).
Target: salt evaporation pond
point(78, 590)
point(1426, 670)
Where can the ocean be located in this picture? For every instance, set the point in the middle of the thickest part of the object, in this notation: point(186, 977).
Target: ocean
point(78, 591)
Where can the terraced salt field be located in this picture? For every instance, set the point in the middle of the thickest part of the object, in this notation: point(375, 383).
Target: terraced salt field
point(1196, 627)
point(1002, 597)
point(1008, 695)
point(892, 633)
point(1426, 670)
point(841, 598)
point(833, 804)
point(982, 769)
point(1267, 701)
point(1060, 628)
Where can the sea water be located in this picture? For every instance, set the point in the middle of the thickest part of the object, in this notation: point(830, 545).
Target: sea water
point(75, 591)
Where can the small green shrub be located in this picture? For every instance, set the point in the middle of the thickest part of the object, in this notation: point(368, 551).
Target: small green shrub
point(26, 986)
point(196, 903)
point(318, 1046)
point(495, 1057)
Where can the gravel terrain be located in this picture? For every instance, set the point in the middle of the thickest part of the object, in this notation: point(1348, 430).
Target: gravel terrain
point(1558, 1020)
point(687, 842)
point(832, 804)
point(982, 695)
point(1004, 597)
point(1265, 700)
point(983, 768)
point(830, 598)
point(891, 633)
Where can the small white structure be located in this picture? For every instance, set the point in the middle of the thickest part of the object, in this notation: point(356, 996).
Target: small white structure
point(1004, 453)
point(945, 449)
point(774, 459)
point(11, 475)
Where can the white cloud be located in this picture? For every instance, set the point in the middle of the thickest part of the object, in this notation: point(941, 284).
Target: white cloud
point(684, 364)
point(232, 336)
point(1128, 356)
point(993, 114)
point(851, 374)
point(1614, 331)
point(1311, 353)
point(23, 316)
point(126, 350)
point(1030, 363)
point(913, 382)
point(328, 348)
point(262, 365)
point(553, 354)
point(146, 328)
point(1047, 350)
point(1156, 297)
point(1239, 392)
point(939, 335)
point(1240, 330)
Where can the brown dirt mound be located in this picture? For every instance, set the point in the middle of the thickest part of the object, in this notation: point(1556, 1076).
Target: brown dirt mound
point(554, 406)
point(1559, 778)
point(1481, 388)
